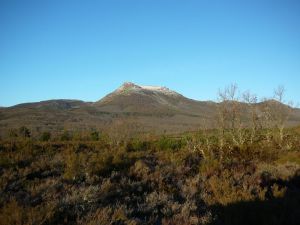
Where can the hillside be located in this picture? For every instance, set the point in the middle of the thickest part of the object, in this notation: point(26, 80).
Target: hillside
point(151, 108)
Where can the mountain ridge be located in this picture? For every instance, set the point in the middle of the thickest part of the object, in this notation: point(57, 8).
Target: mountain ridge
point(153, 108)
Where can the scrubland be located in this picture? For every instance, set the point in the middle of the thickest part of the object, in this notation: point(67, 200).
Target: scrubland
point(188, 179)
point(232, 174)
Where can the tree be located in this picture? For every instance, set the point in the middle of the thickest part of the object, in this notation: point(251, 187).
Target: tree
point(230, 115)
point(251, 101)
point(281, 111)
point(276, 113)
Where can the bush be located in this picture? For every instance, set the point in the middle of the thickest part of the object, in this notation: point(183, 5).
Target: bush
point(73, 168)
point(137, 145)
point(104, 162)
point(24, 132)
point(95, 136)
point(14, 214)
point(45, 136)
point(100, 163)
point(170, 144)
point(66, 136)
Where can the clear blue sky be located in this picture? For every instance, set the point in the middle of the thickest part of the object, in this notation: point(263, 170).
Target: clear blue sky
point(85, 49)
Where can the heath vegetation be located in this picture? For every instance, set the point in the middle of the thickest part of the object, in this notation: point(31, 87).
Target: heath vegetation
point(246, 170)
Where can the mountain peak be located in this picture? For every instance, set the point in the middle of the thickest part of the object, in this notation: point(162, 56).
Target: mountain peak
point(129, 86)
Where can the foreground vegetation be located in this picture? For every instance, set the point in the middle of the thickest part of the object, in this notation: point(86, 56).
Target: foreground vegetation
point(188, 179)
point(244, 171)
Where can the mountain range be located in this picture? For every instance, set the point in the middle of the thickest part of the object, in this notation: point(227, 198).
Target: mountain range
point(147, 108)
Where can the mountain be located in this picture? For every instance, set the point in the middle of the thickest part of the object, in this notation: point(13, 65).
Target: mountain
point(153, 100)
point(146, 108)
point(143, 99)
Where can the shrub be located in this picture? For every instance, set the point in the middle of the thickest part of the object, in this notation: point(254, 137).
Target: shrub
point(13, 133)
point(166, 143)
point(104, 162)
point(95, 136)
point(66, 136)
point(137, 145)
point(73, 168)
point(24, 132)
point(100, 163)
point(101, 217)
point(45, 136)
point(14, 214)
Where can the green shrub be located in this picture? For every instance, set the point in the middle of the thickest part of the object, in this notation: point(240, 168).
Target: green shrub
point(170, 144)
point(104, 162)
point(137, 145)
point(66, 136)
point(24, 132)
point(95, 136)
point(73, 167)
point(46, 136)
point(100, 163)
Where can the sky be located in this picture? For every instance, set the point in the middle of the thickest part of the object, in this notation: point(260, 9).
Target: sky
point(60, 49)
